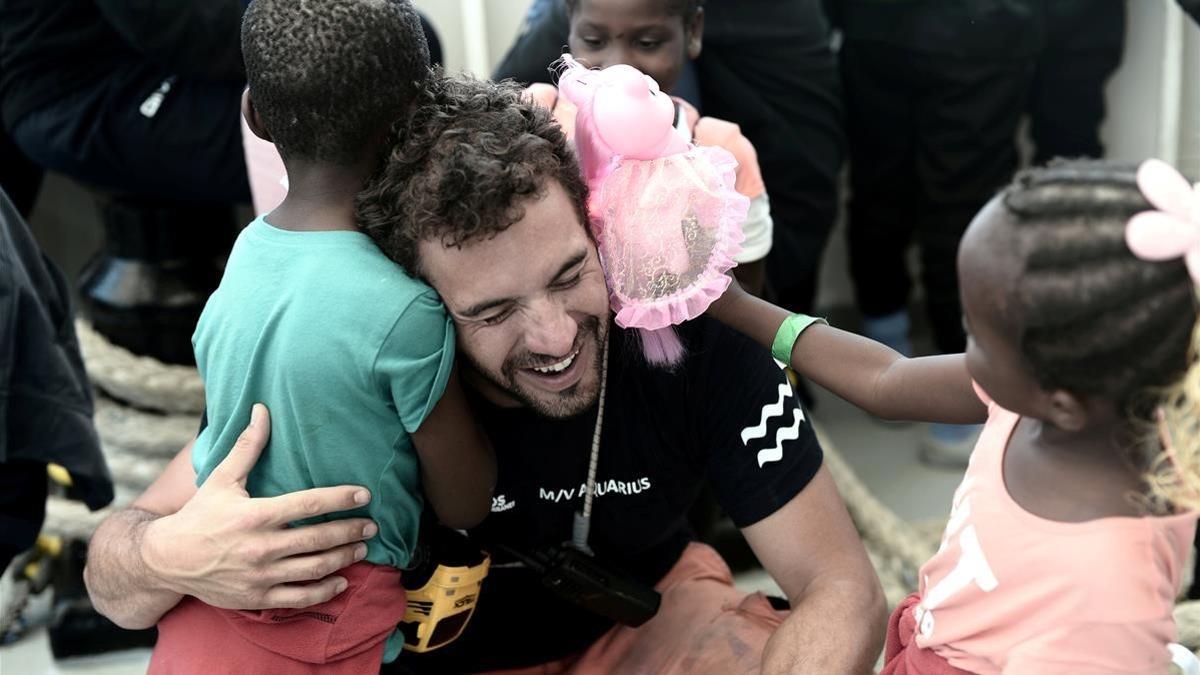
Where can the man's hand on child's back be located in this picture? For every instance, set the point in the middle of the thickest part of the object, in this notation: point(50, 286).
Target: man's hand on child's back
point(237, 552)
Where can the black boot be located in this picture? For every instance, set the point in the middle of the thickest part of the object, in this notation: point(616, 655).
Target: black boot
point(145, 289)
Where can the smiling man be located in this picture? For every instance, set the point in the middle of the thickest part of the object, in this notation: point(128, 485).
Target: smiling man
point(483, 199)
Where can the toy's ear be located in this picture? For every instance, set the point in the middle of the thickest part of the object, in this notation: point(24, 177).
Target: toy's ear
point(577, 83)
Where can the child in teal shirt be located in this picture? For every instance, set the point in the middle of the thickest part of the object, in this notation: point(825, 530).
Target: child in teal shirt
point(314, 321)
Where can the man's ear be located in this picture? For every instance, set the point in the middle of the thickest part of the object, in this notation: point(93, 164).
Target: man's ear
point(695, 35)
point(252, 119)
point(1067, 411)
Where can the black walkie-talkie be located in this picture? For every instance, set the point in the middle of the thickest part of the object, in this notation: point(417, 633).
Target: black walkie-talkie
point(579, 578)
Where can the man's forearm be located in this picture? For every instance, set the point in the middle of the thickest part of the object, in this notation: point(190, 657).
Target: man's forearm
point(117, 579)
point(836, 627)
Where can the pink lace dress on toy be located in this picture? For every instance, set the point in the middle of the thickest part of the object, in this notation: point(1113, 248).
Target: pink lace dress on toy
point(665, 213)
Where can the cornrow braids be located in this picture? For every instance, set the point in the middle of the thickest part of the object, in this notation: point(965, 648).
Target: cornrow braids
point(1093, 318)
point(329, 77)
point(462, 166)
point(685, 9)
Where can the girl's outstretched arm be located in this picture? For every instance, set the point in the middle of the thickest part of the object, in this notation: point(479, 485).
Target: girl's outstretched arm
point(866, 373)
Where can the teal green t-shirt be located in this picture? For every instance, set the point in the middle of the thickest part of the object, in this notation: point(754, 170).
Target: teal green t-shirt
point(350, 355)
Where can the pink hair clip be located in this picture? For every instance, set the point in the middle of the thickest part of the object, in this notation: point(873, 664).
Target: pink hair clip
point(1173, 230)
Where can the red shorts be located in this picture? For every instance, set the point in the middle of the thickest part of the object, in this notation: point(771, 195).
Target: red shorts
point(902, 656)
point(343, 635)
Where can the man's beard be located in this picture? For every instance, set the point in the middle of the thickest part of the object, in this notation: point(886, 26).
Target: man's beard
point(559, 405)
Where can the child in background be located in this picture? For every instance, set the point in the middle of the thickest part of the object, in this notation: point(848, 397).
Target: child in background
point(657, 37)
point(314, 321)
point(1058, 557)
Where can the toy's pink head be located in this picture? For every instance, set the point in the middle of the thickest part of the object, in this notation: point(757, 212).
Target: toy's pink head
point(622, 113)
point(665, 214)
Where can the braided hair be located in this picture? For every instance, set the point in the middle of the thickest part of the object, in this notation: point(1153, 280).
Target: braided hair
point(1092, 318)
point(328, 77)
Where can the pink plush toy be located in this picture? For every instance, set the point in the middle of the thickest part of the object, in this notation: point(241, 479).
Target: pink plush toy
point(665, 213)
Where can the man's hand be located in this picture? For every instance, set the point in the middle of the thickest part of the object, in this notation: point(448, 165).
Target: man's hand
point(232, 551)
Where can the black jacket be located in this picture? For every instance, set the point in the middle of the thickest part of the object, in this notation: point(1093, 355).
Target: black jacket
point(45, 398)
point(49, 48)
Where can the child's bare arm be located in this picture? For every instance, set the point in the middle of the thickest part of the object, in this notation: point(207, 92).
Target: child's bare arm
point(458, 467)
point(870, 375)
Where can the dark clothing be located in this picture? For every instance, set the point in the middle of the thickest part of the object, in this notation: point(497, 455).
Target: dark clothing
point(1084, 45)
point(23, 491)
point(78, 83)
point(932, 138)
point(190, 150)
point(1192, 7)
point(958, 29)
point(767, 66)
point(45, 398)
point(726, 417)
point(19, 177)
point(48, 49)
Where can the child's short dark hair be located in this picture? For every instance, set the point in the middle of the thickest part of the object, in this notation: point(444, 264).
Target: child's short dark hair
point(329, 76)
point(1093, 318)
point(465, 161)
point(685, 9)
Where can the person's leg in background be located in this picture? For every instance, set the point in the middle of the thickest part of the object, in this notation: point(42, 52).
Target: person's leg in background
point(966, 152)
point(881, 107)
point(1084, 47)
point(768, 67)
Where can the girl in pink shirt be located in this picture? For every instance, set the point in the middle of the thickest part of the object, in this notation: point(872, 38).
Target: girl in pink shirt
point(1063, 554)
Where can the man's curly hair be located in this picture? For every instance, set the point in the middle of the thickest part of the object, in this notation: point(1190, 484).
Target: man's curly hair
point(462, 168)
point(328, 77)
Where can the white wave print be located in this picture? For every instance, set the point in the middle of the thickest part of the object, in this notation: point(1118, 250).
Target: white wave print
point(784, 434)
point(770, 410)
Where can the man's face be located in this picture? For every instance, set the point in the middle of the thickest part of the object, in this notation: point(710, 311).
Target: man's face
point(530, 305)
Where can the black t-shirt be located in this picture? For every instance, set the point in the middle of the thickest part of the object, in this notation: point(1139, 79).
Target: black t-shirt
point(726, 415)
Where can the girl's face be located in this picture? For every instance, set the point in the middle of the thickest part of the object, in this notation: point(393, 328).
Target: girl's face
point(988, 268)
point(644, 34)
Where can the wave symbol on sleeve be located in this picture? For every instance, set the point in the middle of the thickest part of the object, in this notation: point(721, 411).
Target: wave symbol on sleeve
point(784, 434)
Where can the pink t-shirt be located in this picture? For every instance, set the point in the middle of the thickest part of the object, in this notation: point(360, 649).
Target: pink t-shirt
point(1011, 592)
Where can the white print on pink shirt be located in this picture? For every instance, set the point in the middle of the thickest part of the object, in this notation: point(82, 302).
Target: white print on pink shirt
point(972, 566)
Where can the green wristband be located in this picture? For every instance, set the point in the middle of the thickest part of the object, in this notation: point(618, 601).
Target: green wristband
point(789, 332)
